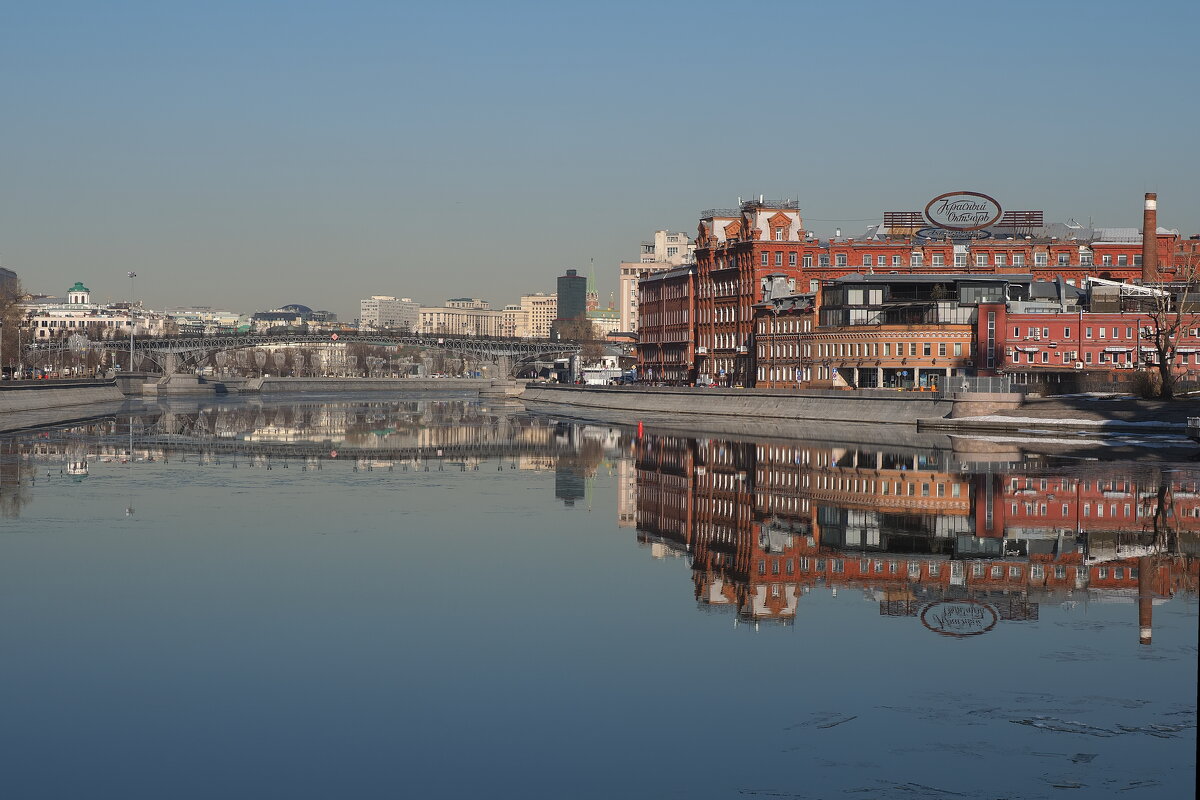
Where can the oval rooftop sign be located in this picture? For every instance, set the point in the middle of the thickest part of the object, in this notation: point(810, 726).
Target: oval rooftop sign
point(959, 617)
point(963, 211)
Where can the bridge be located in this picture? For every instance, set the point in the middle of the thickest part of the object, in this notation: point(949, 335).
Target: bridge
point(173, 353)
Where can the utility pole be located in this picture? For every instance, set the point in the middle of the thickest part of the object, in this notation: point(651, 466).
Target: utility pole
point(132, 324)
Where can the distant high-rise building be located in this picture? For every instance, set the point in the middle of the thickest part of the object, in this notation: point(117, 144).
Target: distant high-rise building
point(572, 296)
point(665, 251)
point(8, 282)
point(382, 312)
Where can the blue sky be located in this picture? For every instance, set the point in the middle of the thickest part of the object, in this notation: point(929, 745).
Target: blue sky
point(252, 154)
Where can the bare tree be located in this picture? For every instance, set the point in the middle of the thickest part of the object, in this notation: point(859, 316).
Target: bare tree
point(1169, 317)
point(583, 331)
point(10, 318)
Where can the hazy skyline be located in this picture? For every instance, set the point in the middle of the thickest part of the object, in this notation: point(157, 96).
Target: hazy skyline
point(247, 155)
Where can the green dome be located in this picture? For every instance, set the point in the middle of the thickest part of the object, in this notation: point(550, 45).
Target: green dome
point(79, 287)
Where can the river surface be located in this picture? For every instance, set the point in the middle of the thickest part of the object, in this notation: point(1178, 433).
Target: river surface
point(357, 598)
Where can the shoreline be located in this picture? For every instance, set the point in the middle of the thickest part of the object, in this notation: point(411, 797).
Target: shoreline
point(1071, 415)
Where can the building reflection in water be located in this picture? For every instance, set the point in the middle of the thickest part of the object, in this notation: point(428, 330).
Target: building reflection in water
point(414, 435)
point(764, 523)
point(761, 523)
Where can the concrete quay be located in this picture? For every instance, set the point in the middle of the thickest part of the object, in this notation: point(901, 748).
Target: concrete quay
point(29, 404)
point(848, 413)
point(862, 406)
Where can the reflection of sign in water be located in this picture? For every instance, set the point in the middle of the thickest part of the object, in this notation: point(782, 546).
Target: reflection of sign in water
point(959, 617)
point(963, 211)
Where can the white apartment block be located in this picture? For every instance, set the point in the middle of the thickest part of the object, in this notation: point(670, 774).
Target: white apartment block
point(540, 310)
point(380, 312)
point(665, 251)
point(452, 321)
point(515, 322)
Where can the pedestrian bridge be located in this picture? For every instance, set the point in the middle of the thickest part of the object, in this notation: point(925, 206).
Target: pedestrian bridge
point(175, 353)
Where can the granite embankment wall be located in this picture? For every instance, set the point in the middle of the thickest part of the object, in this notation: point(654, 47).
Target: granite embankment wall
point(863, 406)
point(38, 395)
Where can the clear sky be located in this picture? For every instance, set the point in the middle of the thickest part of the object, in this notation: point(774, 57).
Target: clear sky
point(251, 154)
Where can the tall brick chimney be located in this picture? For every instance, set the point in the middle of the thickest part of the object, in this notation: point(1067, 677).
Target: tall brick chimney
point(1150, 239)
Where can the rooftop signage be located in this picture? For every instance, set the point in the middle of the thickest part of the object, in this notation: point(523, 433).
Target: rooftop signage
point(963, 211)
point(959, 618)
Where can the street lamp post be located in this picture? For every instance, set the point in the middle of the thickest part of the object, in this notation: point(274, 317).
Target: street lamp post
point(132, 275)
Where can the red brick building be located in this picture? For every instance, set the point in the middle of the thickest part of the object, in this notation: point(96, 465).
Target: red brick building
point(737, 249)
point(667, 306)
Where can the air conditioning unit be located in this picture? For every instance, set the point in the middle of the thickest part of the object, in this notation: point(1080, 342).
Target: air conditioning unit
point(1078, 365)
point(701, 351)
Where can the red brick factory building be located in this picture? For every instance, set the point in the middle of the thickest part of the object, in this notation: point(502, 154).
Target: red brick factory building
point(749, 312)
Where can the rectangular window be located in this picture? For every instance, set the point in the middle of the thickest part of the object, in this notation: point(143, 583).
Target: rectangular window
point(792, 260)
point(1087, 333)
point(1000, 259)
point(958, 348)
point(779, 259)
point(1018, 259)
point(841, 259)
point(881, 261)
point(960, 259)
point(866, 260)
point(1122, 261)
point(941, 349)
point(763, 259)
point(1040, 259)
point(1106, 261)
point(895, 261)
point(939, 260)
point(912, 348)
point(887, 348)
point(981, 259)
point(916, 260)
point(926, 349)
point(1066, 333)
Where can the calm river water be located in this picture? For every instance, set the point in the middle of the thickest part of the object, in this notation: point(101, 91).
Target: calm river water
point(356, 598)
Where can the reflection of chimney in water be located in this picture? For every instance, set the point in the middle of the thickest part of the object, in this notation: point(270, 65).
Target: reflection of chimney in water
point(1145, 601)
point(1150, 238)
